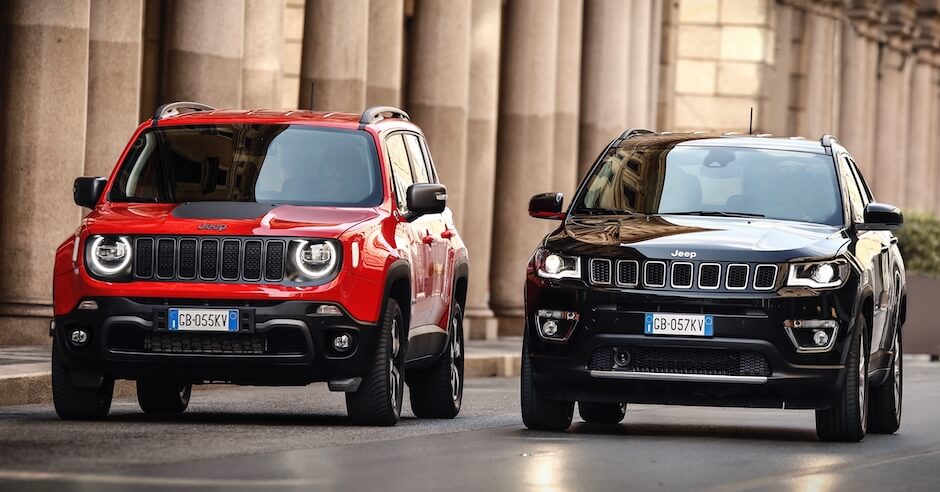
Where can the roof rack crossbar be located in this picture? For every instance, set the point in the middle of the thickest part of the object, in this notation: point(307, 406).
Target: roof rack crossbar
point(178, 107)
point(373, 114)
point(827, 140)
point(634, 132)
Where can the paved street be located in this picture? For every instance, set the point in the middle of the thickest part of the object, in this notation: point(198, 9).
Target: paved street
point(297, 438)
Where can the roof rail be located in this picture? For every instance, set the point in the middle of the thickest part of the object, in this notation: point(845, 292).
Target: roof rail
point(634, 132)
point(827, 140)
point(178, 107)
point(373, 114)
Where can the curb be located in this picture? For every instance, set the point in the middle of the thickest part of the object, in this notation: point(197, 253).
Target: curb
point(36, 387)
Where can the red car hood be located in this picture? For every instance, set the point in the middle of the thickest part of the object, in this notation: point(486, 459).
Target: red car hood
point(233, 220)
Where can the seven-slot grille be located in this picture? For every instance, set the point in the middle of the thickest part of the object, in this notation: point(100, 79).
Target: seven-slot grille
point(209, 258)
point(683, 275)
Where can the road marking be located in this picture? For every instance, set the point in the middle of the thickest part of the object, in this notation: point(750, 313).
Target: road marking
point(41, 476)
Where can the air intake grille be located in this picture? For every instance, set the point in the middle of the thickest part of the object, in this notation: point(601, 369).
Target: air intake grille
point(682, 275)
point(737, 276)
point(655, 274)
point(679, 275)
point(204, 343)
point(709, 276)
point(228, 259)
point(628, 273)
point(765, 276)
point(600, 271)
point(673, 360)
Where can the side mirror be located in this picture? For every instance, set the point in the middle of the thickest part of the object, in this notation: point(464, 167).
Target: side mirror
point(87, 191)
point(547, 206)
point(882, 217)
point(425, 198)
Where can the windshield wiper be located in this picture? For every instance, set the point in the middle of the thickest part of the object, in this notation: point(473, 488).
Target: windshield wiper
point(715, 213)
point(604, 211)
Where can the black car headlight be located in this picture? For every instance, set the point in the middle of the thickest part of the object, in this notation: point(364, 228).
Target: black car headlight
point(819, 275)
point(556, 265)
point(313, 260)
point(108, 257)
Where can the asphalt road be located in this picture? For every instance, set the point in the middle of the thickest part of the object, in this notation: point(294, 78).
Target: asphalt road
point(298, 439)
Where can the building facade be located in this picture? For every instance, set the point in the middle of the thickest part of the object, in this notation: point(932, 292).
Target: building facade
point(517, 97)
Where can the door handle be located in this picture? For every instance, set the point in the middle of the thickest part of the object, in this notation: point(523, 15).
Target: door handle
point(429, 239)
point(447, 234)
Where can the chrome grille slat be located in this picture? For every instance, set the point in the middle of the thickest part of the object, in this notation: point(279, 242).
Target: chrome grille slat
point(765, 277)
point(654, 274)
point(600, 271)
point(657, 274)
point(228, 259)
point(681, 277)
point(709, 276)
point(628, 273)
point(736, 279)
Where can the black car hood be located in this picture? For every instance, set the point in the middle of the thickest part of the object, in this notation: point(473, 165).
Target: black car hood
point(708, 238)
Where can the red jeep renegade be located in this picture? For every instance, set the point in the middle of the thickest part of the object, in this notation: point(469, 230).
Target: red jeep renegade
point(263, 248)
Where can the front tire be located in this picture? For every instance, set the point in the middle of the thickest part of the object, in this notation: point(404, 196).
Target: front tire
point(163, 398)
point(378, 400)
point(602, 413)
point(846, 420)
point(884, 410)
point(437, 392)
point(538, 412)
point(74, 402)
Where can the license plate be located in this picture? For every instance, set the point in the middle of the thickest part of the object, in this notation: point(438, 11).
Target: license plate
point(694, 325)
point(180, 319)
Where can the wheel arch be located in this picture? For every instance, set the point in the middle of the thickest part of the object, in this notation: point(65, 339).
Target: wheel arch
point(398, 287)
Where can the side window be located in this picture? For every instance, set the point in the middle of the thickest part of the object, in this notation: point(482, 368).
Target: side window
point(418, 163)
point(855, 194)
point(432, 173)
point(401, 170)
point(862, 185)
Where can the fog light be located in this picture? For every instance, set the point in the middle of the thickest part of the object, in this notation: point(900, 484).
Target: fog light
point(549, 328)
point(342, 342)
point(328, 310)
point(820, 338)
point(79, 337)
point(621, 358)
point(88, 305)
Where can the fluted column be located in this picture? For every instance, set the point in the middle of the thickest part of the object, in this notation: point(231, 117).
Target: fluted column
point(263, 67)
point(477, 229)
point(922, 134)
point(386, 26)
point(42, 145)
point(114, 72)
point(893, 106)
point(526, 124)
point(821, 50)
point(567, 98)
point(439, 88)
point(204, 60)
point(334, 61)
point(603, 76)
point(639, 56)
point(859, 82)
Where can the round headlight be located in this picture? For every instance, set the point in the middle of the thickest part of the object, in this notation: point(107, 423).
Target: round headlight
point(553, 263)
point(109, 256)
point(315, 260)
point(824, 273)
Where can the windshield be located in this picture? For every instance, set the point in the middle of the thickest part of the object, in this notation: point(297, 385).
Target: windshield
point(280, 164)
point(706, 180)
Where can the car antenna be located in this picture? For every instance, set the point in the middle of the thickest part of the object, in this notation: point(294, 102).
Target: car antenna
point(311, 95)
point(750, 124)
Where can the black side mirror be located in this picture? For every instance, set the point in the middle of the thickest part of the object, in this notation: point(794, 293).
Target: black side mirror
point(425, 198)
point(547, 206)
point(882, 217)
point(87, 191)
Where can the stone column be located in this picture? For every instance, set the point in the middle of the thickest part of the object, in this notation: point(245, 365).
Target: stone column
point(656, 46)
point(775, 114)
point(114, 81)
point(43, 88)
point(893, 106)
point(204, 60)
point(567, 98)
point(603, 77)
point(439, 88)
point(526, 121)
point(334, 63)
point(922, 130)
point(859, 79)
point(822, 43)
point(477, 228)
point(639, 57)
point(386, 33)
point(263, 65)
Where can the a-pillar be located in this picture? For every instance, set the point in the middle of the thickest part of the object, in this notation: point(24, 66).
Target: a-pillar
point(890, 163)
point(439, 88)
point(526, 124)
point(603, 76)
point(263, 67)
point(386, 32)
point(43, 88)
point(922, 132)
point(114, 81)
point(477, 228)
point(204, 60)
point(567, 97)
point(860, 81)
point(335, 55)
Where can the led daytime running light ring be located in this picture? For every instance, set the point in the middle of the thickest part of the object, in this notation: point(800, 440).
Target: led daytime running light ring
point(314, 273)
point(100, 267)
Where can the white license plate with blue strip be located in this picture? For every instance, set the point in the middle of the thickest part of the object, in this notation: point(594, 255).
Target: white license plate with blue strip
point(689, 325)
point(185, 319)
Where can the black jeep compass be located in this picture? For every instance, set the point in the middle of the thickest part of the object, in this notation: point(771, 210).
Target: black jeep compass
point(722, 270)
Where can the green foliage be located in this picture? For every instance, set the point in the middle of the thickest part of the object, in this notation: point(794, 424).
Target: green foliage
point(919, 241)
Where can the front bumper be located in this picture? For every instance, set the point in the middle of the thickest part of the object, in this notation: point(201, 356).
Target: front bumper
point(278, 343)
point(749, 361)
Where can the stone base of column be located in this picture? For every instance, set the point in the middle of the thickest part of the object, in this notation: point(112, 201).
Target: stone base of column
point(24, 330)
point(480, 324)
point(511, 322)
